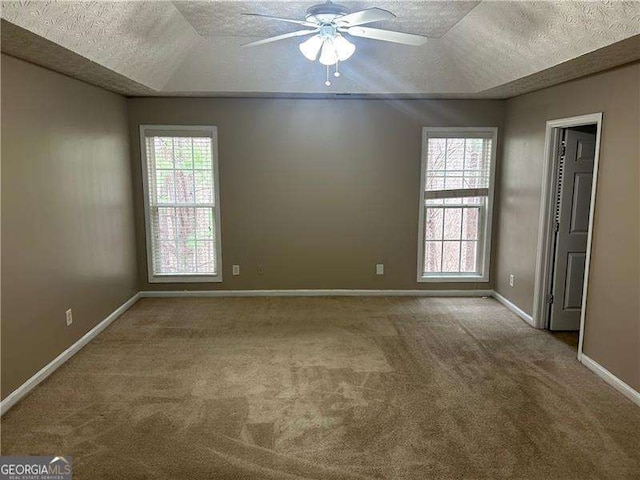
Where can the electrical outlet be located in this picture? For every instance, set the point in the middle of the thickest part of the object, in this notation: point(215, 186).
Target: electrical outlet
point(69, 317)
point(380, 269)
point(236, 269)
point(260, 270)
point(511, 280)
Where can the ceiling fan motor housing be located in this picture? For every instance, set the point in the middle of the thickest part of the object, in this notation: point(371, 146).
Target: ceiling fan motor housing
point(325, 13)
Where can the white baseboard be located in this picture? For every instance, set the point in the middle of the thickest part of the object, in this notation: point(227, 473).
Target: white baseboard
point(514, 308)
point(610, 378)
point(316, 293)
point(15, 396)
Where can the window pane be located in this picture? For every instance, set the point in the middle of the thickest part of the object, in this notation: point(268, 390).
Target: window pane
point(206, 257)
point(453, 181)
point(184, 186)
point(451, 257)
point(165, 228)
point(454, 163)
point(437, 152)
point(204, 186)
point(470, 224)
point(452, 223)
point(472, 180)
point(202, 153)
point(187, 257)
point(183, 152)
point(165, 186)
point(474, 154)
point(186, 223)
point(435, 182)
point(433, 257)
point(455, 154)
point(468, 257)
point(456, 224)
point(435, 201)
point(186, 238)
point(433, 224)
point(163, 151)
point(166, 261)
point(452, 201)
point(204, 223)
point(474, 200)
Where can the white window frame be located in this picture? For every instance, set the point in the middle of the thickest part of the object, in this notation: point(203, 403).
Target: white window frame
point(209, 131)
point(485, 242)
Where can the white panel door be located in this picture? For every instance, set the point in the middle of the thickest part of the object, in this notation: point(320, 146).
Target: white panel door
point(572, 223)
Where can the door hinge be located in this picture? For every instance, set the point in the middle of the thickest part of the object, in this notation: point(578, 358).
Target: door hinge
point(550, 299)
point(563, 148)
point(556, 227)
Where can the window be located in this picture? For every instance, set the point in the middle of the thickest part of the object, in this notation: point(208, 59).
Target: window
point(182, 203)
point(456, 198)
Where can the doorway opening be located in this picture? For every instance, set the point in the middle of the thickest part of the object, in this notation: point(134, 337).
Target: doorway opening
point(566, 224)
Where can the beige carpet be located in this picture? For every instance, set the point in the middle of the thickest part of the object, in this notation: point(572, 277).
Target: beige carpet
point(327, 388)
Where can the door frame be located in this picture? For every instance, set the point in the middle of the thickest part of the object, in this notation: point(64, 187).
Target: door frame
point(545, 226)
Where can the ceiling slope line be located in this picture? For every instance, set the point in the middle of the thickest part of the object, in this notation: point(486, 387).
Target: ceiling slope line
point(25, 45)
point(612, 56)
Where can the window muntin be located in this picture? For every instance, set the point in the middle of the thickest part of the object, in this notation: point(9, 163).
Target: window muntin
point(455, 204)
point(181, 204)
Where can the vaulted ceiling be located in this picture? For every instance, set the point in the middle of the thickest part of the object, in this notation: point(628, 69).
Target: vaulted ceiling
point(475, 49)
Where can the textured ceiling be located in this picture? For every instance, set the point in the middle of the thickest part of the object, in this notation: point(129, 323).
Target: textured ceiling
point(21, 43)
point(142, 40)
point(499, 42)
point(220, 19)
point(605, 58)
point(476, 49)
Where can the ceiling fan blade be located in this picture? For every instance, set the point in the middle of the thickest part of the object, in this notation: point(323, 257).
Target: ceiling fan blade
point(386, 35)
point(288, 20)
point(299, 33)
point(365, 16)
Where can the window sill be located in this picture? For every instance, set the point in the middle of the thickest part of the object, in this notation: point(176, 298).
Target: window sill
point(454, 279)
point(185, 278)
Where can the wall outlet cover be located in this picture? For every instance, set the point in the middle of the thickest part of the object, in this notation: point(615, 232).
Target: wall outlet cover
point(69, 315)
point(236, 269)
point(380, 269)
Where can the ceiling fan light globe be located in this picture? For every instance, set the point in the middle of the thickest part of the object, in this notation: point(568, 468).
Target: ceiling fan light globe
point(344, 48)
point(328, 54)
point(311, 47)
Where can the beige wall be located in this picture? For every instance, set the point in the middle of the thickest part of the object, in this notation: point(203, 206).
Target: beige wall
point(316, 191)
point(612, 331)
point(67, 214)
point(346, 170)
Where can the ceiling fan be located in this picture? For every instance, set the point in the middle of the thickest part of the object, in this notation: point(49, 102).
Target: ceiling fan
point(331, 25)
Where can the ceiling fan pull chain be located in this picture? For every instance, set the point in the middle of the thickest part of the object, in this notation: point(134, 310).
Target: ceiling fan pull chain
point(328, 82)
point(337, 72)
